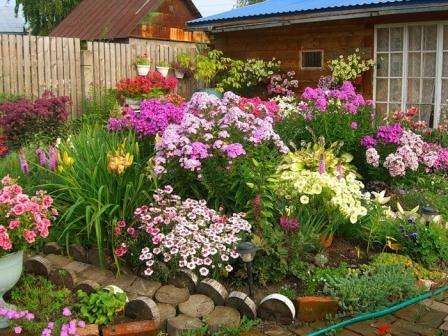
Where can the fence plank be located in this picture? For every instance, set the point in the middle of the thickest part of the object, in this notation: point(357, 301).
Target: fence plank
point(20, 81)
point(13, 64)
point(6, 64)
point(72, 74)
point(78, 76)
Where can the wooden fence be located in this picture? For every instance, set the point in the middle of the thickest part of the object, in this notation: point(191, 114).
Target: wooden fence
point(30, 65)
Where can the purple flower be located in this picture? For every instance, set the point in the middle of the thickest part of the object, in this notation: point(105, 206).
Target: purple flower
point(41, 156)
point(368, 141)
point(18, 330)
point(53, 158)
point(390, 134)
point(234, 150)
point(354, 125)
point(23, 163)
point(289, 224)
point(66, 312)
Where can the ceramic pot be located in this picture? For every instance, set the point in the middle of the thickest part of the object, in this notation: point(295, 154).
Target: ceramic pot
point(11, 267)
point(143, 70)
point(163, 70)
point(179, 73)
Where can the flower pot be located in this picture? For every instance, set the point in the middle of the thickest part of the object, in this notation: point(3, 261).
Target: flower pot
point(143, 70)
point(163, 71)
point(179, 73)
point(133, 103)
point(326, 240)
point(11, 267)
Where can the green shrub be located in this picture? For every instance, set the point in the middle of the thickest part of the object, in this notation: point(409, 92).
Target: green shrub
point(372, 288)
point(100, 307)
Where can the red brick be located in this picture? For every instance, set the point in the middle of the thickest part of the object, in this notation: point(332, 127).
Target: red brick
point(89, 330)
point(315, 308)
point(140, 328)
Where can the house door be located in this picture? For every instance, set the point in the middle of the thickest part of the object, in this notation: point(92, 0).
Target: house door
point(412, 70)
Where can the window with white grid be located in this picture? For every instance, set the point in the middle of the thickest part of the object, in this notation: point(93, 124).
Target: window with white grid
point(412, 69)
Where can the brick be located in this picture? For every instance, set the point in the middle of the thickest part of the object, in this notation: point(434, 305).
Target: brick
point(315, 308)
point(421, 329)
point(364, 329)
point(89, 330)
point(139, 328)
point(442, 307)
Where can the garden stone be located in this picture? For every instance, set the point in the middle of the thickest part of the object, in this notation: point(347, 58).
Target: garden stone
point(214, 290)
point(166, 311)
point(436, 305)
point(276, 330)
point(278, 308)
point(38, 265)
point(243, 303)
point(89, 330)
point(172, 295)
point(444, 326)
point(144, 287)
point(63, 278)
point(58, 261)
point(123, 281)
point(52, 248)
point(78, 253)
point(185, 279)
point(414, 327)
point(197, 306)
point(142, 308)
point(94, 258)
point(87, 286)
point(223, 317)
point(98, 275)
point(77, 267)
point(178, 325)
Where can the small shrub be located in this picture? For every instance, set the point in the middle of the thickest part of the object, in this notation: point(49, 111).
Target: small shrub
point(372, 288)
point(23, 119)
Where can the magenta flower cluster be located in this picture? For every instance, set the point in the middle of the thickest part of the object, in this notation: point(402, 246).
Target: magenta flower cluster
point(323, 98)
point(411, 151)
point(24, 218)
point(67, 329)
point(289, 224)
point(153, 118)
point(213, 127)
point(189, 233)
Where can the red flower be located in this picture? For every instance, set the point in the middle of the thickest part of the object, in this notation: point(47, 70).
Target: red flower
point(384, 329)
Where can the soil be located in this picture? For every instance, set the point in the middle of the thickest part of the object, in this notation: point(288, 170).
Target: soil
point(343, 251)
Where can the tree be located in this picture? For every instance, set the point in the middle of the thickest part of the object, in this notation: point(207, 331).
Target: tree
point(42, 15)
point(242, 3)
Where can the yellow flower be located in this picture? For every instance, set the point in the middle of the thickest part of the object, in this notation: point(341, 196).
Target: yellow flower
point(119, 160)
point(65, 161)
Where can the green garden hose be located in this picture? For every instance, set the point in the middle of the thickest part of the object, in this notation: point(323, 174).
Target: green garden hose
point(379, 313)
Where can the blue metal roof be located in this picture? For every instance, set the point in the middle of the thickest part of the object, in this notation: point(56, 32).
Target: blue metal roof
point(283, 7)
point(9, 22)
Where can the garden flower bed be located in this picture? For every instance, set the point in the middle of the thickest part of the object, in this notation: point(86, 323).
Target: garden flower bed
point(235, 211)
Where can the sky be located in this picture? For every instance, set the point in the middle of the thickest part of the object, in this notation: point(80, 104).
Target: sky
point(210, 7)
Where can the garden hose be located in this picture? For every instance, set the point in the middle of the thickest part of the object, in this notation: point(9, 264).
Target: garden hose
point(379, 313)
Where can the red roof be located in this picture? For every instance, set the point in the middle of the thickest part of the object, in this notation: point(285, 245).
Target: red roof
point(108, 19)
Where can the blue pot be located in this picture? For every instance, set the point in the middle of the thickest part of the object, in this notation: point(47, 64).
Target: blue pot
point(11, 267)
point(213, 92)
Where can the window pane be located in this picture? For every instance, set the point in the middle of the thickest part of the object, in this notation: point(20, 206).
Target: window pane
point(415, 38)
point(396, 65)
point(396, 39)
point(382, 69)
point(414, 64)
point(445, 37)
point(395, 90)
point(429, 64)
point(426, 112)
point(445, 64)
point(444, 91)
point(413, 91)
point(430, 37)
point(381, 90)
point(383, 39)
point(428, 91)
point(394, 108)
point(381, 111)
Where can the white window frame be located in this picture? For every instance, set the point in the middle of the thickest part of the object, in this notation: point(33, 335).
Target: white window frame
point(439, 63)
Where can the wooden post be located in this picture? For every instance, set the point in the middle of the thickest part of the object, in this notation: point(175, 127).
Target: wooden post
point(86, 72)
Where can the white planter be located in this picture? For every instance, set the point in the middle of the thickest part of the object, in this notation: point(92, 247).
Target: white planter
point(11, 267)
point(163, 70)
point(133, 103)
point(179, 73)
point(143, 70)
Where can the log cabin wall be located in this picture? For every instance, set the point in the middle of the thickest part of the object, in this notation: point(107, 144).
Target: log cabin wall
point(334, 38)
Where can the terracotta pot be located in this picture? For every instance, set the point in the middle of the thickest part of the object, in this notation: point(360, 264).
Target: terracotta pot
point(326, 240)
point(140, 328)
